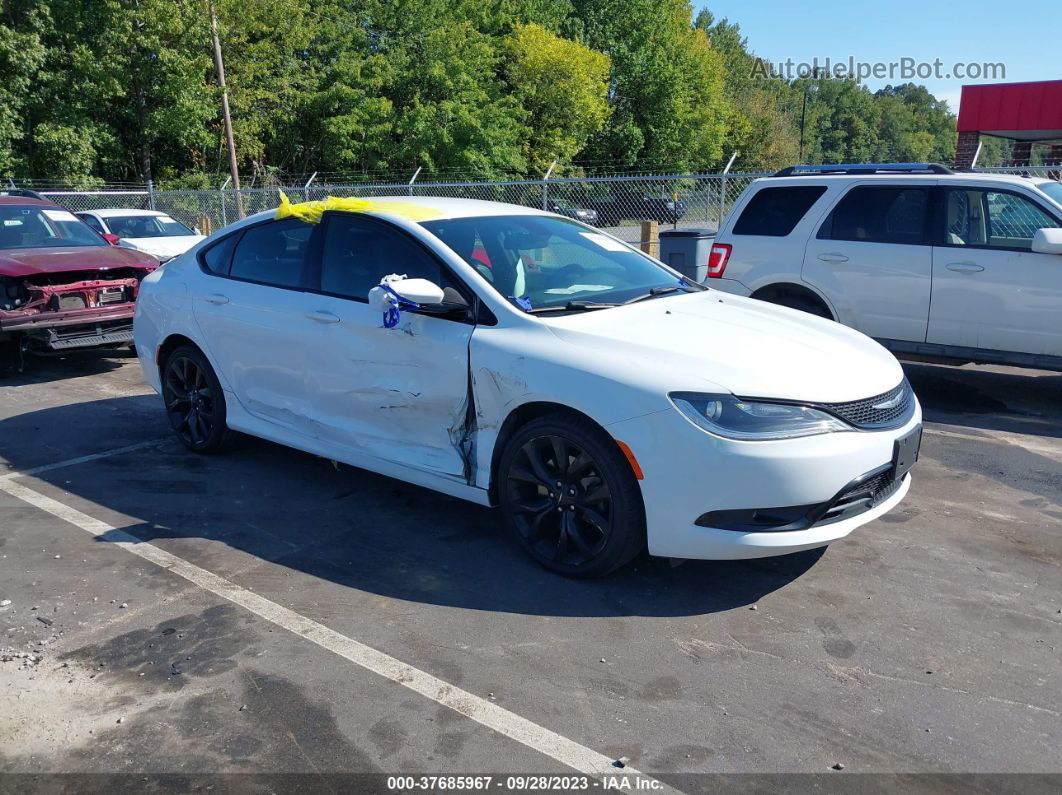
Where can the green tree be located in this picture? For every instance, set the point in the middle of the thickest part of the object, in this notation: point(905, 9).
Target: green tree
point(21, 55)
point(667, 85)
point(563, 87)
point(760, 122)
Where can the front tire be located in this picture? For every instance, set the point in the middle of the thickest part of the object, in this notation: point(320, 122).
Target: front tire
point(195, 402)
point(570, 498)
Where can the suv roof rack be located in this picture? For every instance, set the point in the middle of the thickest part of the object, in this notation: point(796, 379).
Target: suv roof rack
point(863, 168)
point(21, 193)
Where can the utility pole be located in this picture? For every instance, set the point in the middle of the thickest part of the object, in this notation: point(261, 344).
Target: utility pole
point(220, 65)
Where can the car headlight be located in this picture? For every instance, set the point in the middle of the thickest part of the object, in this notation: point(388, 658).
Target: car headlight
point(751, 420)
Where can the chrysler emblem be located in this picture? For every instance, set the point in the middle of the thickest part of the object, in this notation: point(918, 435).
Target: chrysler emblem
point(891, 403)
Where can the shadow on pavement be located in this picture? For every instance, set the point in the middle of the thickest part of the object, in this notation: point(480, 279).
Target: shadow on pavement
point(35, 369)
point(360, 530)
point(1018, 401)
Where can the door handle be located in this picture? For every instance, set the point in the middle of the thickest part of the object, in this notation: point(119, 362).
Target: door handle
point(833, 257)
point(964, 267)
point(216, 298)
point(323, 317)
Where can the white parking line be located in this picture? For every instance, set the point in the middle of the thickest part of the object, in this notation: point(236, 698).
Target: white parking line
point(83, 459)
point(487, 713)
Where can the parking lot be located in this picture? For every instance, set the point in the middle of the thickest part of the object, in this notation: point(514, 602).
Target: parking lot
point(269, 611)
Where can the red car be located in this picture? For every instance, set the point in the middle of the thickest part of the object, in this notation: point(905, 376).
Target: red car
point(62, 286)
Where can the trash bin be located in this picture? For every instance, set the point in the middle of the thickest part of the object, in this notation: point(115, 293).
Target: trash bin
point(687, 250)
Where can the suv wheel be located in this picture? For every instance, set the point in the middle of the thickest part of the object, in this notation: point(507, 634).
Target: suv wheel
point(795, 300)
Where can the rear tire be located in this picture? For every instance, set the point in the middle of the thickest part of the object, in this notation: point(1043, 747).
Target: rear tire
point(796, 300)
point(195, 401)
point(570, 498)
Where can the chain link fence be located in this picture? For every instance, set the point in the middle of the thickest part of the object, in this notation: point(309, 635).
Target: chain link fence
point(617, 204)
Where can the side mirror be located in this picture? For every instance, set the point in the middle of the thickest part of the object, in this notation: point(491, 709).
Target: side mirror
point(111, 239)
point(419, 291)
point(1047, 241)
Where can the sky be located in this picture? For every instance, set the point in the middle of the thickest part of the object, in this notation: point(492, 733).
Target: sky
point(1022, 35)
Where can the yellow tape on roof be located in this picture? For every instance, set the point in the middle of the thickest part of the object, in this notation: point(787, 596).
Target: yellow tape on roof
point(311, 212)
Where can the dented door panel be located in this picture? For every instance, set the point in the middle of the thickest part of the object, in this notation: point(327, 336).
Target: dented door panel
point(398, 394)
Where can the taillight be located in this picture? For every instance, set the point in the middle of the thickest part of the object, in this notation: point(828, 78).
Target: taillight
point(717, 260)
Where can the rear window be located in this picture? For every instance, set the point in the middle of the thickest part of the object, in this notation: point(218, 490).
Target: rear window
point(775, 212)
point(272, 253)
point(218, 256)
point(879, 215)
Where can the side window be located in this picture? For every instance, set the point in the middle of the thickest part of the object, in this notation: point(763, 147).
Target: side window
point(872, 214)
point(775, 212)
point(273, 253)
point(92, 221)
point(1013, 220)
point(358, 252)
point(992, 219)
point(216, 259)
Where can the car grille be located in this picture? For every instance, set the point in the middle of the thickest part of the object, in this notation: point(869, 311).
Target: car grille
point(887, 410)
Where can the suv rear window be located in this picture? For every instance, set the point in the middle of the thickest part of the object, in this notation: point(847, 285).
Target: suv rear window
point(775, 212)
point(873, 214)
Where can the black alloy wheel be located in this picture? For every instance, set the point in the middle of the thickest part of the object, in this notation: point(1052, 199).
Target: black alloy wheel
point(194, 401)
point(571, 497)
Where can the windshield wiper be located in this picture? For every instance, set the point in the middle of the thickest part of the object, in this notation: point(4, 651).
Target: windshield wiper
point(571, 306)
point(686, 287)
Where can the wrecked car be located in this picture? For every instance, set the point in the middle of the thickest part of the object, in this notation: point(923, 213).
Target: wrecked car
point(517, 358)
point(62, 287)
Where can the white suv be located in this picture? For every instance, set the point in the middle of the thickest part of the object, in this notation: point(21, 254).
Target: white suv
point(961, 267)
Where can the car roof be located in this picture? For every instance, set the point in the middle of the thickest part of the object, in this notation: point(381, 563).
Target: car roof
point(966, 176)
point(118, 212)
point(449, 207)
point(445, 206)
point(25, 201)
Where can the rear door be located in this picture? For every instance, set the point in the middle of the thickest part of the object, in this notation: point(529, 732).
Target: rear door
point(871, 256)
point(252, 309)
point(990, 290)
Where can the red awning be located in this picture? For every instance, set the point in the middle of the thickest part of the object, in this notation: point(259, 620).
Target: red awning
point(1022, 111)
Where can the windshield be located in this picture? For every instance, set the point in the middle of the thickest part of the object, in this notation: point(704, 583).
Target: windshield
point(147, 226)
point(548, 262)
point(43, 227)
point(1053, 190)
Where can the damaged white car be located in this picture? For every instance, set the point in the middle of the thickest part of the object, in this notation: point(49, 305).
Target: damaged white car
point(518, 358)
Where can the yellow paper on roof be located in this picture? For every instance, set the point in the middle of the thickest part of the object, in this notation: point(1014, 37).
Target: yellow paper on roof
point(311, 212)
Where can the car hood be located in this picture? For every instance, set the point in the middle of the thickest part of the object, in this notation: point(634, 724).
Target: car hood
point(747, 347)
point(31, 261)
point(162, 247)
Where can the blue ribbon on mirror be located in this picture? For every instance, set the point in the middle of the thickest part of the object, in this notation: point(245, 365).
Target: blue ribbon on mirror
point(394, 314)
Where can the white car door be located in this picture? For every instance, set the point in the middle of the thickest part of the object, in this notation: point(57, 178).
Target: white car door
point(251, 306)
point(871, 257)
point(398, 394)
point(990, 289)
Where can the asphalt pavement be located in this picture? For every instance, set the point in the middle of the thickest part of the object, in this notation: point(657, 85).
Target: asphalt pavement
point(267, 611)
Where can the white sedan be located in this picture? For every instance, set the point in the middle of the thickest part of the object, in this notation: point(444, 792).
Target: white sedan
point(150, 231)
point(517, 358)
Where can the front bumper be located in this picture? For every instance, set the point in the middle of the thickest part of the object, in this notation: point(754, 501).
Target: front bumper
point(689, 473)
point(93, 327)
